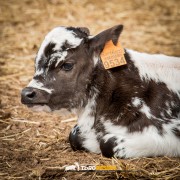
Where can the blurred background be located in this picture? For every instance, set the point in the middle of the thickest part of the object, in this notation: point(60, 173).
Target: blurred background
point(30, 142)
point(151, 26)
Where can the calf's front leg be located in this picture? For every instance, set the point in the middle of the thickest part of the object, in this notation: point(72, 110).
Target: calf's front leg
point(148, 143)
point(83, 139)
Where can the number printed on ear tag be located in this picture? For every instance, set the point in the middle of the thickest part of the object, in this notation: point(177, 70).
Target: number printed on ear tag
point(113, 56)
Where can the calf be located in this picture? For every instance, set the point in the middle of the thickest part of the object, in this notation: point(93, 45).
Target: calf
point(132, 110)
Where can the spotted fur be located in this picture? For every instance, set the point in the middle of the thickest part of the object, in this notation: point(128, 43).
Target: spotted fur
point(128, 111)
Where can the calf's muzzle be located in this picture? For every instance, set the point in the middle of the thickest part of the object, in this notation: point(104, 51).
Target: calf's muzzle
point(32, 96)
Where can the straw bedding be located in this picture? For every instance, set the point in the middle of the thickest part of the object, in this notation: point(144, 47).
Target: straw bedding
point(35, 145)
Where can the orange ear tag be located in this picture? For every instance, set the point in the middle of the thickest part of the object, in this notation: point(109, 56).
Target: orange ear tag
point(113, 56)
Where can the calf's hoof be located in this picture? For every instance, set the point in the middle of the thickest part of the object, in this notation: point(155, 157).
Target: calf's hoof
point(113, 147)
point(75, 139)
point(107, 147)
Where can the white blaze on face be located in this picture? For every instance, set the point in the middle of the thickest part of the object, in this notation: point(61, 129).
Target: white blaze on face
point(39, 72)
point(39, 85)
point(59, 36)
point(158, 67)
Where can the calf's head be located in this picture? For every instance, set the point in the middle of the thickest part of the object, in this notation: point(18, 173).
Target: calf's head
point(64, 66)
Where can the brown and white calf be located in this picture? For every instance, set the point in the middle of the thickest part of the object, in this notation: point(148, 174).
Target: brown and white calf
point(127, 111)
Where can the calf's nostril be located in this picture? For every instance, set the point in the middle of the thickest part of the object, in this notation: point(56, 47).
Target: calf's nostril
point(30, 94)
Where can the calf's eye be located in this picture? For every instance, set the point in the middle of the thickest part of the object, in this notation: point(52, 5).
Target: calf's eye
point(67, 66)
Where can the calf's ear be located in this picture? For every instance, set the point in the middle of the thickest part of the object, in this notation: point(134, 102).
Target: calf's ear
point(97, 42)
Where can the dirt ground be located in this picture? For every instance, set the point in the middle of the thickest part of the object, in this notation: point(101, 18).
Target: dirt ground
point(35, 145)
